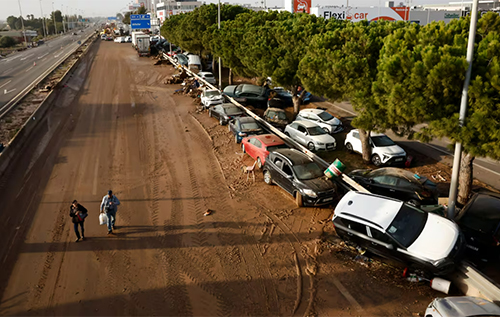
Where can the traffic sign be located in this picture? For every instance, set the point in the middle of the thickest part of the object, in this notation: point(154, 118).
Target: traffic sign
point(140, 17)
point(140, 21)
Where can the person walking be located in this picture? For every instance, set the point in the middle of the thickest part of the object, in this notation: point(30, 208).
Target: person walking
point(109, 206)
point(78, 213)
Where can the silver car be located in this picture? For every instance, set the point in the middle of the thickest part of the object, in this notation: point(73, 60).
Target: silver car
point(322, 118)
point(311, 135)
point(461, 306)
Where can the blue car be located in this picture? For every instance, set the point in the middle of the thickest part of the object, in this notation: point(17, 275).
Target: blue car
point(244, 126)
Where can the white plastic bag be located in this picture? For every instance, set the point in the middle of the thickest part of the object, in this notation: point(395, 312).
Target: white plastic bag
point(103, 219)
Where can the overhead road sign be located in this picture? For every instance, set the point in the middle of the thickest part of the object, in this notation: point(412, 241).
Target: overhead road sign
point(140, 21)
point(112, 18)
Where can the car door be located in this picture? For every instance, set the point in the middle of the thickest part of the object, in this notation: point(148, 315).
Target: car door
point(356, 142)
point(352, 230)
point(276, 172)
point(288, 178)
point(292, 130)
point(301, 134)
point(251, 148)
point(386, 185)
point(382, 244)
point(216, 112)
point(258, 150)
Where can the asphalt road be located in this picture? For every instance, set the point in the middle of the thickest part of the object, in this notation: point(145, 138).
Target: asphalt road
point(19, 70)
point(485, 169)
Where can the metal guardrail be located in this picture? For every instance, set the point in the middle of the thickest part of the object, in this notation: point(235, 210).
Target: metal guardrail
point(467, 278)
point(13, 102)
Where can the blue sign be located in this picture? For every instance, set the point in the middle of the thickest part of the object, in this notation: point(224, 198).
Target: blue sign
point(112, 18)
point(140, 17)
point(140, 21)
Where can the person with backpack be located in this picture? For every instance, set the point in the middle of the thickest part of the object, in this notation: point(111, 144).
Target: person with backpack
point(109, 206)
point(78, 213)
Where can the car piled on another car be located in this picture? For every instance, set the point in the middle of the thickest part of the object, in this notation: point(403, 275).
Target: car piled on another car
point(247, 94)
point(393, 229)
point(259, 146)
point(225, 112)
point(300, 176)
point(276, 117)
point(210, 97)
point(311, 135)
point(242, 127)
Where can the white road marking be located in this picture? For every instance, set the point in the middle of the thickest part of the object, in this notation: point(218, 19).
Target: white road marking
point(96, 170)
point(8, 91)
point(44, 59)
point(43, 55)
point(5, 83)
point(24, 58)
point(27, 70)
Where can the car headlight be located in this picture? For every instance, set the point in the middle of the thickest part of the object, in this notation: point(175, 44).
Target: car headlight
point(310, 193)
point(320, 143)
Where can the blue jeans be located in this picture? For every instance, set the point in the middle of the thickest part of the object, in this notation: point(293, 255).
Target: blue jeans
point(111, 218)
point(76, 229)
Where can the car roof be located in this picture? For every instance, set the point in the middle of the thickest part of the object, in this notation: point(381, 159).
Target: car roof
point(228, 105)
point(316, 111)
point(246, 119)
point(269, 139)
point(307, 124)
point(483, 205)
point(394, 171)
point(295, 156)
point(371, 133)
point(466, 306)
point(252, 88)
point(371, 208)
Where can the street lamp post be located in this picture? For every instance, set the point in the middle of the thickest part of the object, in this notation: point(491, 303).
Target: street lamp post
point(43, 20)
point(463, 109)
point(54, 17)
point(22, 23)
point(220, 62)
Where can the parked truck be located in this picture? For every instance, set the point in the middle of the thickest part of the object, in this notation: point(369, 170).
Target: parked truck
point(134, 38)
point(143, 45)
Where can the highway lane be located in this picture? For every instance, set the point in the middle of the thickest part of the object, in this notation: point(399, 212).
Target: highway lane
point(19, 70)
point(485, 169)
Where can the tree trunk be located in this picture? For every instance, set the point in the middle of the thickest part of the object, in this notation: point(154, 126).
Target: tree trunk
point(465, 178)
point(230, 77)
point(213, 65)
point(296, 105)
point(365, 144)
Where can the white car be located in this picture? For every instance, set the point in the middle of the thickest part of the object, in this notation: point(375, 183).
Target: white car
point(322, 118)
point(310, 135)
point(461, 306)
point(392, 229)
point(211, 97)
point(128, 39)
point(118, 40)
point(208, 76)
point(384, 150)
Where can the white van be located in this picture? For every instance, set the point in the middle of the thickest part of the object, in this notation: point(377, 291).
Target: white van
point(194, 63)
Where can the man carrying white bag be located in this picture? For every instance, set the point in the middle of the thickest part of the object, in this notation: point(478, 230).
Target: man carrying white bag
point(108, 211)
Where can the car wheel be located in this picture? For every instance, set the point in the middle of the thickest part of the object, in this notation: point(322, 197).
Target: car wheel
point(259, 163)
point(326, 130)
point(348, 146)
point(221, 122)
point(243, 148)
point(299, 200)
point(376, 160)
point(267, 178)
point(210, 113)
point(310, 146)
point(236, 139)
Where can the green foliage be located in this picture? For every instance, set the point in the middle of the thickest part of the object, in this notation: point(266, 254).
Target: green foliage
point(126, 18)
point(141, 10)
point(7, 41)
point(11, 21)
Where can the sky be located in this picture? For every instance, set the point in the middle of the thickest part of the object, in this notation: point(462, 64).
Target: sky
point(91, 8)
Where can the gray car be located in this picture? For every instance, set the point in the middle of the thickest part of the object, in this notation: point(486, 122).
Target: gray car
point(461, 306)
point(311, 135)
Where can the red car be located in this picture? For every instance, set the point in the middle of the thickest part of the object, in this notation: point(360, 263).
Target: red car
point(259, 146)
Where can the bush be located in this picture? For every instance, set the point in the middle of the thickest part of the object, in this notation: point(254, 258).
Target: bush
point(7, 41)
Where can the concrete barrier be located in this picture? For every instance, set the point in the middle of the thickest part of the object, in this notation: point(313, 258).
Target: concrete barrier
point(19, 140)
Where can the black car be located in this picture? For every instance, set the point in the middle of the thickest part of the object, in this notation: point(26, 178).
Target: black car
point(280, 98)
point(247, 94)
point(242, 127)
point(398, 183)
point(300, 176)
point(480, 222)
point(225, 112)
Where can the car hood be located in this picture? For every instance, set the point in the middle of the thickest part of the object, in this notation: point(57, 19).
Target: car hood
point(229, 90)
point(391, 150)
point(254, 131)
point(334, 121)
point(324, 138)
point(436, 240)
point(278, 121)
point(320, 184)
point(212, 97)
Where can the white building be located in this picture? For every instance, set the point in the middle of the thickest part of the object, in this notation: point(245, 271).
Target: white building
point(167, 8)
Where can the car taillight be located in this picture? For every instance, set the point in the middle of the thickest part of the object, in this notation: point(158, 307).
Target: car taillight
point(495, 241)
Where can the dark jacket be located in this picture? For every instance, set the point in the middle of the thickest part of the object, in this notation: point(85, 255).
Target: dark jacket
point(78, 218)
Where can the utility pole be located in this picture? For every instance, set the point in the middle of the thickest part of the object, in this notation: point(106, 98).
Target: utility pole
point(220, 61)
point(62, 16)
point(463, 109)
point(54, 17)
point(22, 23)
point(43, 20)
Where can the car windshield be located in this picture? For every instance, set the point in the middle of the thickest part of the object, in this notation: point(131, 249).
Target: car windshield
point(316, 131)
point(407, 225)
point(308, 171)
point(182, 58)
point(382, 141)
point(212, 93)
point(231, 110)
point(249, 126)
point(275, 147)
point(325, 116)
point(276, 115)
point(208, 75)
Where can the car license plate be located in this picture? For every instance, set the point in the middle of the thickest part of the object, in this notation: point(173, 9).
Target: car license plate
point(328, 199)
point(399, 159)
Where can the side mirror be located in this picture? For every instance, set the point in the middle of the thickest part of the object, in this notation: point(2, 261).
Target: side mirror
point(289, 177)
point(390, 246)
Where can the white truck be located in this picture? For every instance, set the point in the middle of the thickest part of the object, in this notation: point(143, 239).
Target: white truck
point(143, 45)
point(134, 38)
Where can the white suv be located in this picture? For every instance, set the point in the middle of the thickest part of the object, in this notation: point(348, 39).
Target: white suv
point(211, 97)
point(322, 118)
point(384, 150)
point(393, 229)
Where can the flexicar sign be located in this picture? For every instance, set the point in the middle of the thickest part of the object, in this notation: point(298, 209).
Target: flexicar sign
point(359, 14)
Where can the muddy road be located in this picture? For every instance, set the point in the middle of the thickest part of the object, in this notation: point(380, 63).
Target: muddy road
point(117, 126)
